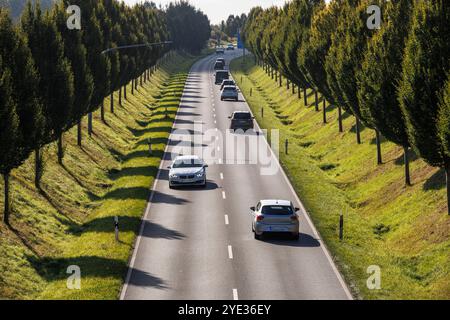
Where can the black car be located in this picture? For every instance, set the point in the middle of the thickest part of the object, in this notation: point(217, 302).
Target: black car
point(241, 120)
point(221, 75)
point(219, 65)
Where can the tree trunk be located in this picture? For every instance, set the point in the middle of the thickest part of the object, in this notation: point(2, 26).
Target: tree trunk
point(299, 93)
point(111, 102)
point(406, 161)
point(140, 80)
point(447, 184)
point(293, 88)
point(60, 148)
point(358, 131)
point(102, 114)
point(90, 120)
point(341, 127)
point(324, 111)
point(287, 84)
point(316, 97)
point(120, 96)
point(135, 84)
point(378, 139)
point(7, 203)
point(79, 135)
point(132, 86)
point(305, 97)
point(125, 91)
point(276, 76)
point(272, 75)
point(281, 80)
point(37, 168)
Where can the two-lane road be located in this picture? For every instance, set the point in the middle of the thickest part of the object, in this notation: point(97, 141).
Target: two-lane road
point(197, 243)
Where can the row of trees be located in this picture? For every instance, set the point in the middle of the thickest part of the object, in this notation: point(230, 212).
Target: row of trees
point(51, 77)
point(394, 79)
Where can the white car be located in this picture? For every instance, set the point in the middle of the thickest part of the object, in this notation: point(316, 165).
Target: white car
point(187, 171)
point(273, 216)
point(229, 92)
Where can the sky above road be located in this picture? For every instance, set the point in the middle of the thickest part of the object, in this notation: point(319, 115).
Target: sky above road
point(218, 10)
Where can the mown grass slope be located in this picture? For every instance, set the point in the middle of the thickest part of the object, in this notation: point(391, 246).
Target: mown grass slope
point(403, 230)
point(71, 220)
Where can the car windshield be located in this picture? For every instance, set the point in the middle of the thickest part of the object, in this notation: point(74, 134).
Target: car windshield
point(242, 115)
point(229, 89)
point(187, 163)
point(276, 210)
point(228, 82)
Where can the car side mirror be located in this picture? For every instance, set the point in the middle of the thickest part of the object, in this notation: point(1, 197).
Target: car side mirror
point(252, 208)
point(297, 209)
point(169, 167)
point(229, 117)
point(205, 166)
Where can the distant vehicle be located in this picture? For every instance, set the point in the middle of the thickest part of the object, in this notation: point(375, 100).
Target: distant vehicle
point(241, 120)
point(220, 50)
point(187, 171)
point(229, 92)
point(220, 76)
point(227, 82)
point(219, 65)
point(271, 216)
point(230, 46)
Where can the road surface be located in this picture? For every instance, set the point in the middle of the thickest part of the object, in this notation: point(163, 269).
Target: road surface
point(197, 243)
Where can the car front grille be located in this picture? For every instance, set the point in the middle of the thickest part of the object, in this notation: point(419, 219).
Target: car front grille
point(187, 177)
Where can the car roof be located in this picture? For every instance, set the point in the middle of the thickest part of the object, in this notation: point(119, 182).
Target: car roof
point(227, 80)
point(241, 111)
point(272, 202)
point(222, 71)
point(189, 157)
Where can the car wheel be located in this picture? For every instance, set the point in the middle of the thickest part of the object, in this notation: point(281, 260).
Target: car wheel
point(258, 237)
point(237, 99)
point(204, 184)
point(296, 236)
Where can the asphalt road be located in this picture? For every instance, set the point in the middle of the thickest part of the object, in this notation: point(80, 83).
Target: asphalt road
point(197, 243)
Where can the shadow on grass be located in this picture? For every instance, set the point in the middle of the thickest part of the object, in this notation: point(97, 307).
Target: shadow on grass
point(53, 269)
point(436, 181)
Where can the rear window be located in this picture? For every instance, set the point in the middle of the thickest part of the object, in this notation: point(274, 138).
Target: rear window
point(277, 210)
point(242, 115)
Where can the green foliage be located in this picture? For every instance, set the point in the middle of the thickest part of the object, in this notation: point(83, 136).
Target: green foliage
point(444, 118)
point(380, 73)
point(189, 27)
point(425, 66)
point(55, 73)
point(9, 130)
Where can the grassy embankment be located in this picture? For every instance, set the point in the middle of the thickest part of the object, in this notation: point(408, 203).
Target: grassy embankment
point(403, 230)
point(70, 222)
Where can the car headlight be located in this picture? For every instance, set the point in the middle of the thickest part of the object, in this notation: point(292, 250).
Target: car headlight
point(200, 174)
point(173, 176)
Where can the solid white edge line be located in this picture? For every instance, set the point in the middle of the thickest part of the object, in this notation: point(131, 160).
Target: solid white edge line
point(147, 209)
point(224, 196)
point(221, 176)
point(308, 219)
point(227, 221)
point(230, 252)
point(235, 294)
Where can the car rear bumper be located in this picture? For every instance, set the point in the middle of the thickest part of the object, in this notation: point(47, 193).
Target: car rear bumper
point(261, 228)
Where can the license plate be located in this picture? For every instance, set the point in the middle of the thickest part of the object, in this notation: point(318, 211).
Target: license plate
point(276, 229)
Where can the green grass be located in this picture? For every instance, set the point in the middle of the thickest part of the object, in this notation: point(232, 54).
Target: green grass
point(403, 230)
point(70, 221)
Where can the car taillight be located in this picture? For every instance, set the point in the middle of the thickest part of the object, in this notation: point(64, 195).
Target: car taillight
point(259, 218)
point(294, 218)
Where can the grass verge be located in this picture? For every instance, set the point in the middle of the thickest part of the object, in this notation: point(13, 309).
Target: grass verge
point(403, 230)
point(70, 222)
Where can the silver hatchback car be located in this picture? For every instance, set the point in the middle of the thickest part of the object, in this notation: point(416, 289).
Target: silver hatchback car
point(187, 171)
point(229, 92)
point(275, 216)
